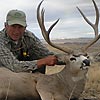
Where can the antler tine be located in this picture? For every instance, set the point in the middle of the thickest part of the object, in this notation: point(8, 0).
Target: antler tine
point(94, 26)
point(45, 33)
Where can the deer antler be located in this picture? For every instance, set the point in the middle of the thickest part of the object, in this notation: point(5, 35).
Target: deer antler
point(94, 26)
point(45, 33)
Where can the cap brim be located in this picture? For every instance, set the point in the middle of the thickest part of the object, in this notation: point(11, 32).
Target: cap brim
point(22, 23)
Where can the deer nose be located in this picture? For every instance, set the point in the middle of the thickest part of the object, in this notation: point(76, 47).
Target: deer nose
point(86, 62)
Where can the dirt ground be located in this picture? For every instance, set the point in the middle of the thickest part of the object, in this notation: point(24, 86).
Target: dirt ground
point(92, 87)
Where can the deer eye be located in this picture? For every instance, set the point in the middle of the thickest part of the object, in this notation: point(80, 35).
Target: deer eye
point(85, 54)
point(72, 59)
point(88, 57)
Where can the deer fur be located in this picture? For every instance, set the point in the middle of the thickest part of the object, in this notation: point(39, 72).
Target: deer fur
point(68, 83)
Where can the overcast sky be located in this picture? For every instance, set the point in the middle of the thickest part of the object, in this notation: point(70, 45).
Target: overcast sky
point(71, 24)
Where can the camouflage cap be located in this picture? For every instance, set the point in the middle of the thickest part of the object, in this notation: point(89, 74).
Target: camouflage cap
point(16, 17)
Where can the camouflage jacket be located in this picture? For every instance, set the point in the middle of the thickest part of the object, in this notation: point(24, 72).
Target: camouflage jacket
point(21, 56)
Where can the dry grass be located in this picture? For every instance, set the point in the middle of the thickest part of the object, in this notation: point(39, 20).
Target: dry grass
point(92, 87)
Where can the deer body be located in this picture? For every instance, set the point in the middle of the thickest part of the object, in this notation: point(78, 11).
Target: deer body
point(62, 86)
point(28, 86)
point(17, 86)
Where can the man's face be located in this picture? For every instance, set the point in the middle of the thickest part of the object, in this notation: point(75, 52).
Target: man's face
point(15, 31)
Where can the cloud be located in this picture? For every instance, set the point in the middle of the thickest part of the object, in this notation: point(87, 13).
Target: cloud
point(71, 23)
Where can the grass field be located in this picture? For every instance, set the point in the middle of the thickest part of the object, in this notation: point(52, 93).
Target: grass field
point(92, 88)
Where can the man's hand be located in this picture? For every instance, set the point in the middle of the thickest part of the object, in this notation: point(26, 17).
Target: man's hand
point(50, 61)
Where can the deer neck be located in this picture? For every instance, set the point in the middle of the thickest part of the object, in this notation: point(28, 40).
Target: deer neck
point(65, 72)
point(79, 76)
point(68, 74)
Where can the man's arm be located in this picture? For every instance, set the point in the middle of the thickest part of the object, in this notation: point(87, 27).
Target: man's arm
point(42, 51)
point(8, 60)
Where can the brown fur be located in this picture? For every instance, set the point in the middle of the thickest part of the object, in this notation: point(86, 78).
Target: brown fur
point(32, 86)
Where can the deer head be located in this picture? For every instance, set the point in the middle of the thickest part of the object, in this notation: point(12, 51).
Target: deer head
point(77, 61)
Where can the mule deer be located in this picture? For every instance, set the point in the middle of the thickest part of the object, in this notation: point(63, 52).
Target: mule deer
point(64, 85)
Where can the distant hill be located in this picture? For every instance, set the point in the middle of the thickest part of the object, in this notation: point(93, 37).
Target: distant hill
point(73, 40)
